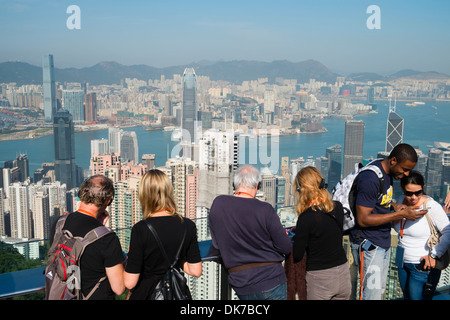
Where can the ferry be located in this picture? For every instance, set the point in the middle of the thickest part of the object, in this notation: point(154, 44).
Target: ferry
point(419, 102)
point(411, 104)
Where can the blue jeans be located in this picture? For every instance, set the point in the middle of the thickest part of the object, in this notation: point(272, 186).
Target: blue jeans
point(412, 281)
point(375, 269)
point(277, 293)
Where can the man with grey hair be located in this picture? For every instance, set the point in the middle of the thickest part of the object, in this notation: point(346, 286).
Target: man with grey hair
point(251, 240)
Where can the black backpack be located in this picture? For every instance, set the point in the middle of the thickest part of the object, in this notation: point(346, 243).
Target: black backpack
point(173, 285)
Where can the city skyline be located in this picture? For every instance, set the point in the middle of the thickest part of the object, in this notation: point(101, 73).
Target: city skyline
point(412, 35)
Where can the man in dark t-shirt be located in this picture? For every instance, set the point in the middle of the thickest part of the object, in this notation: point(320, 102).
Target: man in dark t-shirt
point(104, 257)
point(251, 240)
point(371, 237)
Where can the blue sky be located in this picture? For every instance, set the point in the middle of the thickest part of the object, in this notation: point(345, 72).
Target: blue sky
point(413, 34)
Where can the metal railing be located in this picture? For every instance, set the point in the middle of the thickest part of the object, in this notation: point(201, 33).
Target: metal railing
point(31, 280)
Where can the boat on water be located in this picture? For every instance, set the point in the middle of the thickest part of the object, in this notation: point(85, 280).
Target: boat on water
point(410, 104)
point(419, 102)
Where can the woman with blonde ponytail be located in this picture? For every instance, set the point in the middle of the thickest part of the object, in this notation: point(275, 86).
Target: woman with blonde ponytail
point(146, 264)
point(318, 233)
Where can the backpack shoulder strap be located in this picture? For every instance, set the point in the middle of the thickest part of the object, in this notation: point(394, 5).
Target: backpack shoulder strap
point(89, 238)
point(155, 235)
point(379, 174)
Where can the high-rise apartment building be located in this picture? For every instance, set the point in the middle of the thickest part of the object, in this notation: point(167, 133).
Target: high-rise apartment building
point(21, 226)
point(353, 145)
point(49, 87)
point(218, 154)
point(64, 143)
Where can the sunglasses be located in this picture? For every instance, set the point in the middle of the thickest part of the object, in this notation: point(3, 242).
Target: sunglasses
point(411, 193)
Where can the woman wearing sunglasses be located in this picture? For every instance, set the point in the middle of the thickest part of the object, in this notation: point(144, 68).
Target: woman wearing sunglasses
point(417, 276)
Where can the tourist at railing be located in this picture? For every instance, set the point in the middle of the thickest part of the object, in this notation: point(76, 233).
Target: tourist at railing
point(319, 233)
point(415, 260)
point(145, 262)
point(103, 257)
point(251, 240)
point(371, 237)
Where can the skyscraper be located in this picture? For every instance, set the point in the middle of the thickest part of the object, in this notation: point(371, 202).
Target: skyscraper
point(50, 104)
point(129, 147)
point(353, 145)
point(189, 111)
point(334, 155)
point(73, 101)
point(90, 107)
point(64, 140)
point(394, 129)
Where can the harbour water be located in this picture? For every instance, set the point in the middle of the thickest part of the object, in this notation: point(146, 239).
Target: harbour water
point(423, 125)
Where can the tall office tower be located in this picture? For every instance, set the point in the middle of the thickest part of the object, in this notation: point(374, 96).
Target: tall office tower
point(269, 105)
point(19, 211)
point(73, 101)
point(371, 97)
point(285, 172)
point(334, 155)
point(433, 175)
point(394, 129)
point(90, 107)
point(129, 150)
point(353, 145)
point(149, 161)
point(22, 163)
point(114, 135)
point(189, 110)
point(49, 87)
point(64, 143)
point(99, 146)
point(321, 164)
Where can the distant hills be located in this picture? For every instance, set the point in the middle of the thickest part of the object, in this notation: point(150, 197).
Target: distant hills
point(235, 71)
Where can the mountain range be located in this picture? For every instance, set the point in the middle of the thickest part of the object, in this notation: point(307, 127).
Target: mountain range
point(235, 71)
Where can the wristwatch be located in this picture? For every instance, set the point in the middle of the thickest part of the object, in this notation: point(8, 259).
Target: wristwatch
point(433, 255)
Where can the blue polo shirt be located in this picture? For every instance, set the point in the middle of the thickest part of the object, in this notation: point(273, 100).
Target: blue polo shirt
point(367, 190)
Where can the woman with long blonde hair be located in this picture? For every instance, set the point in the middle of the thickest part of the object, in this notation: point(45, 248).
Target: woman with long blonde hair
point(318, 233)
point(146, 264)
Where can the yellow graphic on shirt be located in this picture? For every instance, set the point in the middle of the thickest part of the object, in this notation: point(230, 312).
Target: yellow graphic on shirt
point(387, 198)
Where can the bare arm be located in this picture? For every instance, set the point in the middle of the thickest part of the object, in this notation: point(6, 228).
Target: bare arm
point(115, 278)
point(130, 279)
point(367, 219)
point(193, 269)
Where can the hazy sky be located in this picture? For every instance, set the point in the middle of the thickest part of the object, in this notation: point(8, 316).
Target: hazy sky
point(413, 34)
